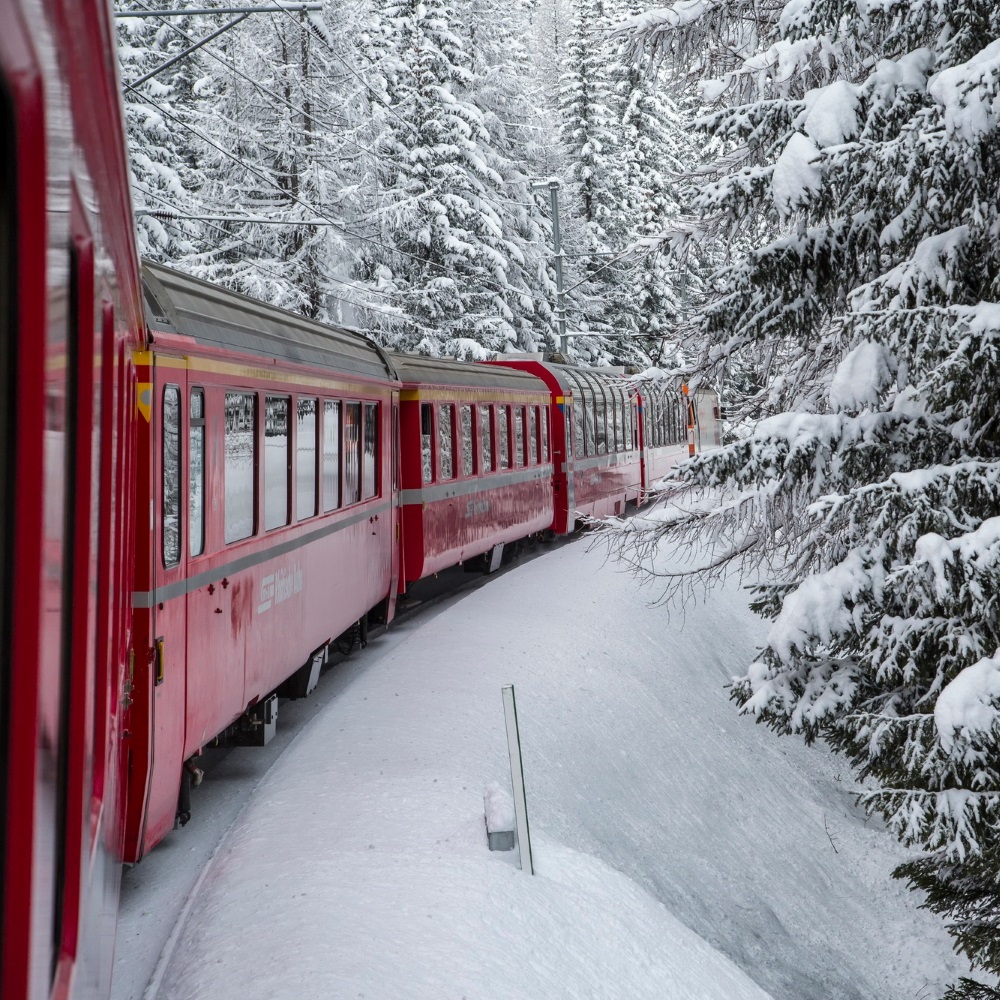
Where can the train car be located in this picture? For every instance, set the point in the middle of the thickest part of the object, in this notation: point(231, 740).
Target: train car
point(476, 463)
point(70, 315)
point(596, 442)
point(267, 468)
point(668, 430)
point(674, 424)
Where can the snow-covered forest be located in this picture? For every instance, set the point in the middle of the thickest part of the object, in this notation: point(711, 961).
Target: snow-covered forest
point(819, 186)
point(385, 163)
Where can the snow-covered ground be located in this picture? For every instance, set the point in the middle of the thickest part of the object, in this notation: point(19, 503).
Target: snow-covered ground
point(680, 850)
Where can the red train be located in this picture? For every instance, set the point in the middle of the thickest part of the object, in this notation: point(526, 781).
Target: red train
point(70, 317)
point(199, 493)
point(298, 479)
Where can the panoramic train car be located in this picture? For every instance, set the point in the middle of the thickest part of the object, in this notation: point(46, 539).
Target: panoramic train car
point(595, 441)
point(267, 468)
point(70, 315)
point(476, 465)
point(674, 425)
point(667, 430)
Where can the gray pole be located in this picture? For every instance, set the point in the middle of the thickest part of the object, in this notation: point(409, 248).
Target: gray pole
point(553, 185)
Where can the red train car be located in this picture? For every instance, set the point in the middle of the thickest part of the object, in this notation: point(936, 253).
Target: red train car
point(475, 462)
point(610, 440)
point(267, 471)
point(70, 314)
point(595, 441)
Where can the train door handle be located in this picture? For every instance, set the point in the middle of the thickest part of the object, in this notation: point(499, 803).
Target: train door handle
point(160, 657)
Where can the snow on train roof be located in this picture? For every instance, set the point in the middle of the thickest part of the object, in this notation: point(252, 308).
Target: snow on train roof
point(446, 371)
point(218, 317)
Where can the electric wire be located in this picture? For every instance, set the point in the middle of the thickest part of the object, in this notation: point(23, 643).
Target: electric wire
point(230, 65)
point(255, 263)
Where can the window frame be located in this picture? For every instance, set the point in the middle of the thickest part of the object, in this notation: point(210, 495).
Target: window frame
point(178, 545)
point(195, 423)
point(254, 396)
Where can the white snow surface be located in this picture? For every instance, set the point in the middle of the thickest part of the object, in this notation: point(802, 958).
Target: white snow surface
point(862, 376)
point(681, 851)
point(797, 175)
point(831, 116)
point(968, 705)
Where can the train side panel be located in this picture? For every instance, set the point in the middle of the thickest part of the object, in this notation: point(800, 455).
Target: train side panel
point(271, 497)
point(69, 310)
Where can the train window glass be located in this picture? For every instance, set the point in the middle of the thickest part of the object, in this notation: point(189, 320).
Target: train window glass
point(533, 435)
point(426, 438)
point(590, 441)
point(446, 439)
point(600, 418)
point(579, 424)
point(518, 436)
point(352, 452)
point(485, 440)
point(465, 430)
point(619, 418)
point(545, 434)
point(651, 414)
point(503, 437)
point(305, 458)
point(331, 455)
point(196, 473)
point(370, 457)
point(276, 461)
point(171, 477)
point(240, 463)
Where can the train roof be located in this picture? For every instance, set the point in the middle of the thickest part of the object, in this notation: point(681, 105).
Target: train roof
point(218, 317)
point(417, 369)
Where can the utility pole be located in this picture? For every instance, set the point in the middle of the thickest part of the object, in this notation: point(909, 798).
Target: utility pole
point(553, 184)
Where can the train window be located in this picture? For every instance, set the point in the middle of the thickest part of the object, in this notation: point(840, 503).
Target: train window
point(518, 436)
point(503, 437)
point(590, 441)
point(600, 418)
point(370, 458)
point(305, 458)
point(545, 433)
point(276, 461)
point(171, 478)
point(533, 435)
point(617, 418)
point(240, 464)
point(196, 473)
point(426, 437)
point(352, 452)
point(465, 430)
point(446, 440)
point(485, 440)
point(579, 424)
point(331, 455)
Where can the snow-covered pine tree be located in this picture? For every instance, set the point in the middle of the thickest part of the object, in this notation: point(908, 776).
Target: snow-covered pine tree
point(860, 168)
point(596, 226)
point(161, 154)
point(445, 256)
point(272, 151)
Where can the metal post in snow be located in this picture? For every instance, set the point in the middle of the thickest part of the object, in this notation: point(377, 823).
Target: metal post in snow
point(517, 779)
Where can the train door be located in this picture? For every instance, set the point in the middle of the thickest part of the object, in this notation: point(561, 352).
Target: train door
point(169, 611)
point(396, 510)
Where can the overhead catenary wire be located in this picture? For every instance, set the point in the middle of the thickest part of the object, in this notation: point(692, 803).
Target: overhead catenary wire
point(253, 262)
point(261, 175)
point(171, 215)
point(230, 65)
